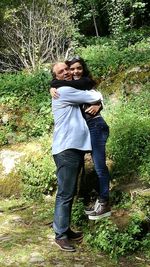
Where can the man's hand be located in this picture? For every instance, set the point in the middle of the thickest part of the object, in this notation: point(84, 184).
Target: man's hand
point(94, 109)
point(54, 93)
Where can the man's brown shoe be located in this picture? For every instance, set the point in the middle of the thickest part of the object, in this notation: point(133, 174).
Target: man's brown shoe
point(74, 236)
point(64, 244)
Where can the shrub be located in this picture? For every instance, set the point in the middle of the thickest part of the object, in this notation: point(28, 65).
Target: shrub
point(101, 59)
point(26, 101)
point(78, 215)
point(106, 59)
point(23, 85)
point(107, 237)
point(38, 171)
point(5, 132)
point(128, 145)
point(131, 37)
point(144, 170)
point(38, 177)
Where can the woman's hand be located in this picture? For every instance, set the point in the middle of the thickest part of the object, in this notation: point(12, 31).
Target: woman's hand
point(94, 109)
point(54, 93)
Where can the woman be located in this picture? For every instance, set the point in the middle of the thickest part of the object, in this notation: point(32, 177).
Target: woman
point(99, 132)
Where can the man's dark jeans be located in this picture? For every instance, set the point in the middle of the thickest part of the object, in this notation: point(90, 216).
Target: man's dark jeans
point(99, 132)
point(68, 165)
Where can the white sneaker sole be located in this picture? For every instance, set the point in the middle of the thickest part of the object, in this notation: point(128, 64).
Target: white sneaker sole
point(98, 217)
point(88, 212)
point(96, 205)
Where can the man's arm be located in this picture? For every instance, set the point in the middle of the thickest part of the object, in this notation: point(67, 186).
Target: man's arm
point(73, 96)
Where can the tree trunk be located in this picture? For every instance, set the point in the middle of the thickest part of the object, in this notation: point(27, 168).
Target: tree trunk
point(94, 19)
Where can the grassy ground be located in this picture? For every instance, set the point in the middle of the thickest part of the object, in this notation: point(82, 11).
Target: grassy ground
point(26, 239)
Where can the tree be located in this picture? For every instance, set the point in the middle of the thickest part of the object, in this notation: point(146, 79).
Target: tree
point(115, 10)
point(94, 14)
point(36, 33)
point(91, 17)
point(104, 17)
point(124, 15)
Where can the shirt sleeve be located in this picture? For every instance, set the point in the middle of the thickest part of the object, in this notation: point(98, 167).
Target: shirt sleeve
point(73, 96)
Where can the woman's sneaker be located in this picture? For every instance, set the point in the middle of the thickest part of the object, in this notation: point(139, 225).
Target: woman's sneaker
point(102, 211)
point(89, 210)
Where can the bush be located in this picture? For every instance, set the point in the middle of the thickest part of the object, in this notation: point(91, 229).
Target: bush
point(38, 176)
point(107, 237)
point(144, 170)
point(106, 59)
point(132, 37)
point(78, 214)
point(101, 59)
point(20, 86)
point(38, 172)
point(128, 145)
point(26, 102)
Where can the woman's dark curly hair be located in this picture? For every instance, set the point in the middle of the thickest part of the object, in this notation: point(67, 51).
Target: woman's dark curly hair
point(86, 72)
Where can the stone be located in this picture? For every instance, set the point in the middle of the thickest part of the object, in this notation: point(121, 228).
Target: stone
point(5, 118)
point(48, 198)
point(135, 69)
point(36, 257)
point(8, 159)
point(4, 238)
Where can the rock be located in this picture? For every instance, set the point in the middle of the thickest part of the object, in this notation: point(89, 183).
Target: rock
point(135, 69)
point(51, 237)
point(4, 238)
point(79, 265)
point(5, 118)
point(48, 198)
point(141, 192)
point(134, 80)
point(36, 257)
point(40, 238)
point(16, 219)
point(8, 159)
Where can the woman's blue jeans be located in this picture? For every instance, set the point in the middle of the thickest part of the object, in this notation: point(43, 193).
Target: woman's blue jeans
point(99, 131)
point(68, 165)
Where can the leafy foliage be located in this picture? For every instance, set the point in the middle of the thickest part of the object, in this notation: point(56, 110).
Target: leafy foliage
point(25, 106)
point(110, 239)
point(130, 137)
point(109, 58)
point(110, 235)
point(78, 215)
point(37, 172)
point(114, 17)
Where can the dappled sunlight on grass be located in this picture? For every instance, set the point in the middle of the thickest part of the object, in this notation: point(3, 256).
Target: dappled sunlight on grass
point(27, 240)
point(25, 232)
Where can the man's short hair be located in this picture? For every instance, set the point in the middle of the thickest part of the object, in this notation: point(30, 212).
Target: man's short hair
point(52, 70)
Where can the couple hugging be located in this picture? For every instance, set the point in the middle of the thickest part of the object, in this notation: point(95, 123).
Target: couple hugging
point(78, 128)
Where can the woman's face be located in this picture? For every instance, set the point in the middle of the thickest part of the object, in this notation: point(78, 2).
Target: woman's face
point(76, 70)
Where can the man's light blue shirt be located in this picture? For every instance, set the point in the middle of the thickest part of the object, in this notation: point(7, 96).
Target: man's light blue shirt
point(70, 128)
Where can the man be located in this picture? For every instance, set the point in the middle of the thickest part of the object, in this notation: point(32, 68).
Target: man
point(71, 139)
